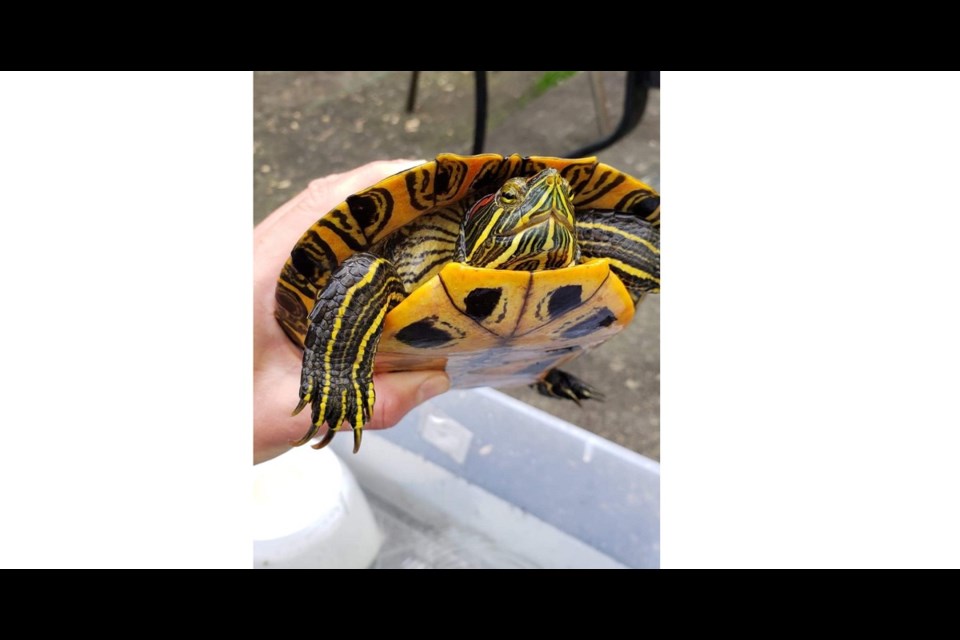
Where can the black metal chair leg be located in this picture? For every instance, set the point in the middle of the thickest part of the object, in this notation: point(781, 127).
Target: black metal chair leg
point(412, 92)
point(480, 124)
point(634, 104)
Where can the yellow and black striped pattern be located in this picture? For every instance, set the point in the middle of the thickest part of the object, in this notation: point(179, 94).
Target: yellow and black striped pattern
point(631, 245)
point(370, 216)
point(528, 225)
point(420, 249)
point(342, 342)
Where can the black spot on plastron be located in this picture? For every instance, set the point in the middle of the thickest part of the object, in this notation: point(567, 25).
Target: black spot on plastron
point(600, 318)
point(304, 263)
point(563, 299)
point(481, 302)
point(423, 334)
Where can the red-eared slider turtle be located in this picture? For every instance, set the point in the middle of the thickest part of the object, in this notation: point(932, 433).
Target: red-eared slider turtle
point(496, 270)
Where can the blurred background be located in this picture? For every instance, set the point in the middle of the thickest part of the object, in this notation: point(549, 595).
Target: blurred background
point(311, 124)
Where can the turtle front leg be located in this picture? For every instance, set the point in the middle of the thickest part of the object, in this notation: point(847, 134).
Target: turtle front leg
point(560, 384)
point(630, 243)
point(342, 338)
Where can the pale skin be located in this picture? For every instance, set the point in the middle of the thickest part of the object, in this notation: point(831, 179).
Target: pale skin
point(276, 360)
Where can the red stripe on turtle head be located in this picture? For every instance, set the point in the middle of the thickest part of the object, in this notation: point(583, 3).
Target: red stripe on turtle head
point(480, 204)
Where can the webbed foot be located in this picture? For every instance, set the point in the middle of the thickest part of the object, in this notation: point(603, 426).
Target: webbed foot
point(560, 384)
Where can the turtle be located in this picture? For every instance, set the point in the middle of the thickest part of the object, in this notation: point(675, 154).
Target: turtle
point(494, 269)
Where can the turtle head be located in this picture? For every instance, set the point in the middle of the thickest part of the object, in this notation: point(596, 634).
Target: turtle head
point(527, 225)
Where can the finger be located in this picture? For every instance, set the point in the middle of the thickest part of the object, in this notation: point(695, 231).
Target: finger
point(399, 393)
point(396, 395)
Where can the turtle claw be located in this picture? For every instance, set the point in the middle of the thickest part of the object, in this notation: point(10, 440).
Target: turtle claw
point(327, 438)
point(312, 431)
point(300, 406)
point(344, 401)
point(560, 384)
point(357, 437)
point(350, 406)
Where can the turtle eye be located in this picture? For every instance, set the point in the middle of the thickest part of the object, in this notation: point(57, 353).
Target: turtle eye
point(510, 193)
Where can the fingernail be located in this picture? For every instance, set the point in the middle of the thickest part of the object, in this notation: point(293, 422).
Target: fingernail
point(433, 387)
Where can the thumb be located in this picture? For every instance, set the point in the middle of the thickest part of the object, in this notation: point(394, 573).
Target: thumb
point(399, 393)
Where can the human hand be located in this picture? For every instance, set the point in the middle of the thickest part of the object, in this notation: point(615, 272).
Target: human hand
point(276, 360)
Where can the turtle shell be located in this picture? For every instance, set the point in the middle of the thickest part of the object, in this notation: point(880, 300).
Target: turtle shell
point(483, 326)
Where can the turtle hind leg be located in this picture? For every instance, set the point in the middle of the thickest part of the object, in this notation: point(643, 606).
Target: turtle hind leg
point(560, 384)
point(342, 337)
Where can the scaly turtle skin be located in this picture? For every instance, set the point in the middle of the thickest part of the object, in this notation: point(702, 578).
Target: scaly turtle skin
point(496, 270)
